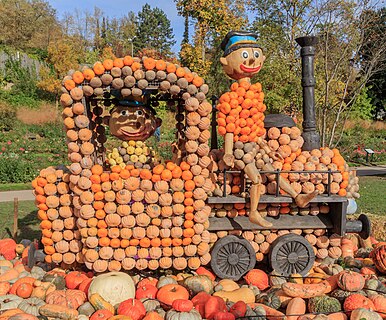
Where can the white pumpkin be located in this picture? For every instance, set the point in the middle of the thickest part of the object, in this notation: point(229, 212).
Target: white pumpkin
point(9, 301)
point(114, 287)
point(361, 313)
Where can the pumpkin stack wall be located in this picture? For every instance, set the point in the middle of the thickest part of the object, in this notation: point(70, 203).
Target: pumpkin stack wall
point(132, 216)
point(56, 211)
point(288, 143)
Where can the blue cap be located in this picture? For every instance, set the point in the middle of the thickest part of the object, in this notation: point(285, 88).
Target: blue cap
point(238, 39)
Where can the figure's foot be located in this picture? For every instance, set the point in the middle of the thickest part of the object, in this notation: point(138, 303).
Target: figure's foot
point(229, 159)
point(302, 200)
point(256, 218)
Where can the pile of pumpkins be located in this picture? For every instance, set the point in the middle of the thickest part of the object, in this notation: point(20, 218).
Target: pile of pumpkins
point(330, 292)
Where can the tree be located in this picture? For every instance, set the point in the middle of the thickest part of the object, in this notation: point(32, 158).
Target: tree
point(63, 56)
point(376, 32)
point(212, 19)
point(343, 72)
point(154, 31)
point(27, 24)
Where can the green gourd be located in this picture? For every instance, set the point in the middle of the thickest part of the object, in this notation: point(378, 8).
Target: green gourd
point(324, 304)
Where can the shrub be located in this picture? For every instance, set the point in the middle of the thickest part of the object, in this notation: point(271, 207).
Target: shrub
point(13, 169)
point(7, 118)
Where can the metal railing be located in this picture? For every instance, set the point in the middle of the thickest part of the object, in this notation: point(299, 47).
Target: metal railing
point(277, 173)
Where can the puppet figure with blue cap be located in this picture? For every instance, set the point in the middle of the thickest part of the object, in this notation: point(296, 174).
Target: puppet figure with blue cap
point(241, 121)
point(133, 120)
point(242, 57)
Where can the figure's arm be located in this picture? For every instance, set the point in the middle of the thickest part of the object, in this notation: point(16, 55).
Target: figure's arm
point(272, 154)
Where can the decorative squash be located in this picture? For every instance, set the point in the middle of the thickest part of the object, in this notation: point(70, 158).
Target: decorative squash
point(146, 291)
point(258, 278)
point(23, 316)
point(379, 303)
point(363, 313)
point(295, 307)
point(165, 280)
point(102, 314)
point(378, 255)
point(270, 299)
point(69, 298)
point(100, 304)
point(351, 281)
point(31, 306)
point(132, 308)
point(114, 287)
point(324, 304)
point(245, 294)
point(199, 283)
point(355, 301)
point(8, 248)
point(9, 301)
point(57, 311)
point(304, 291)
point(170, 292)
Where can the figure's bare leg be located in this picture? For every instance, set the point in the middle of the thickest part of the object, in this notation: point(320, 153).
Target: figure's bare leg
point(254, 214)
point(302, 200)
point(228, 150)
point(253, 174)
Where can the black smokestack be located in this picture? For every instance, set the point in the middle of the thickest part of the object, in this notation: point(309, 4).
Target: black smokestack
point(307, 53)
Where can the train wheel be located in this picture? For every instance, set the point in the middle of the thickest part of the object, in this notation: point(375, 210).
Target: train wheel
point(291, 254)
point(232, 257)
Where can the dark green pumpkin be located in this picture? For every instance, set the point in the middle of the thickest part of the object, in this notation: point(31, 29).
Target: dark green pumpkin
point(269, 299)
point(324, 304)
point(57, 280)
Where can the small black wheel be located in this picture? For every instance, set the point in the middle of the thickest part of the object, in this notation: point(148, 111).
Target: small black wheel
point(232, 257)
point(31, 255)
point(366, 226)
point(290, 254)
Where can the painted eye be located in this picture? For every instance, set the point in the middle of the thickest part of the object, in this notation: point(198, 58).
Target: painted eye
point(256, 54)
point(139, 112)
point(123, 113)
point(245, 54)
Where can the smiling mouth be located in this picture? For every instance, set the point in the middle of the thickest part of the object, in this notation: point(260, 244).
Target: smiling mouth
point(249, 70)
point(133, 134)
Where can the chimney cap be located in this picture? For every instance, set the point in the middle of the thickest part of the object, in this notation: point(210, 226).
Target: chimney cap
point(307, 41)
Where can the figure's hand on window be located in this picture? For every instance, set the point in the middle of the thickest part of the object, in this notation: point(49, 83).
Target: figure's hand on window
point(276, 156)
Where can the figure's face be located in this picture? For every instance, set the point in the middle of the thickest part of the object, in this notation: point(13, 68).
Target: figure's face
point(133, 123)
point(243, 63)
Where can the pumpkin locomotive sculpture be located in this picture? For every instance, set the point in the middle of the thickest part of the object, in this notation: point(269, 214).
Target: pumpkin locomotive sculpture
point(229, 208)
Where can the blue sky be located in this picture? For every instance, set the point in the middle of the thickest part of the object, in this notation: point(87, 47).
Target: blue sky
point(118, 8)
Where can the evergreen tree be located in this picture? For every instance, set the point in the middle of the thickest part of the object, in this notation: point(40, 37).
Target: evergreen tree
point(154, 31)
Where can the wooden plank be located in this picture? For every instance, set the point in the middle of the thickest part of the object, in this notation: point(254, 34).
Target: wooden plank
point(15, 217)
point(272, 199)
point(282, 222)
point(338, 217)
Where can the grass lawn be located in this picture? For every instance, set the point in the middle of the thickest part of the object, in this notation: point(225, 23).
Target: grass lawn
point(15, 186)
point(373, 195)
point(28, 221)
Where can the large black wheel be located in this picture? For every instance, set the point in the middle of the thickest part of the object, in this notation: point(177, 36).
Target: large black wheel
point(291, 254)
point(232, 257)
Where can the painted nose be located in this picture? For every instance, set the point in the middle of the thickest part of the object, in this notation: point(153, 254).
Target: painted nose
point(132, 117)
point(251, 61)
